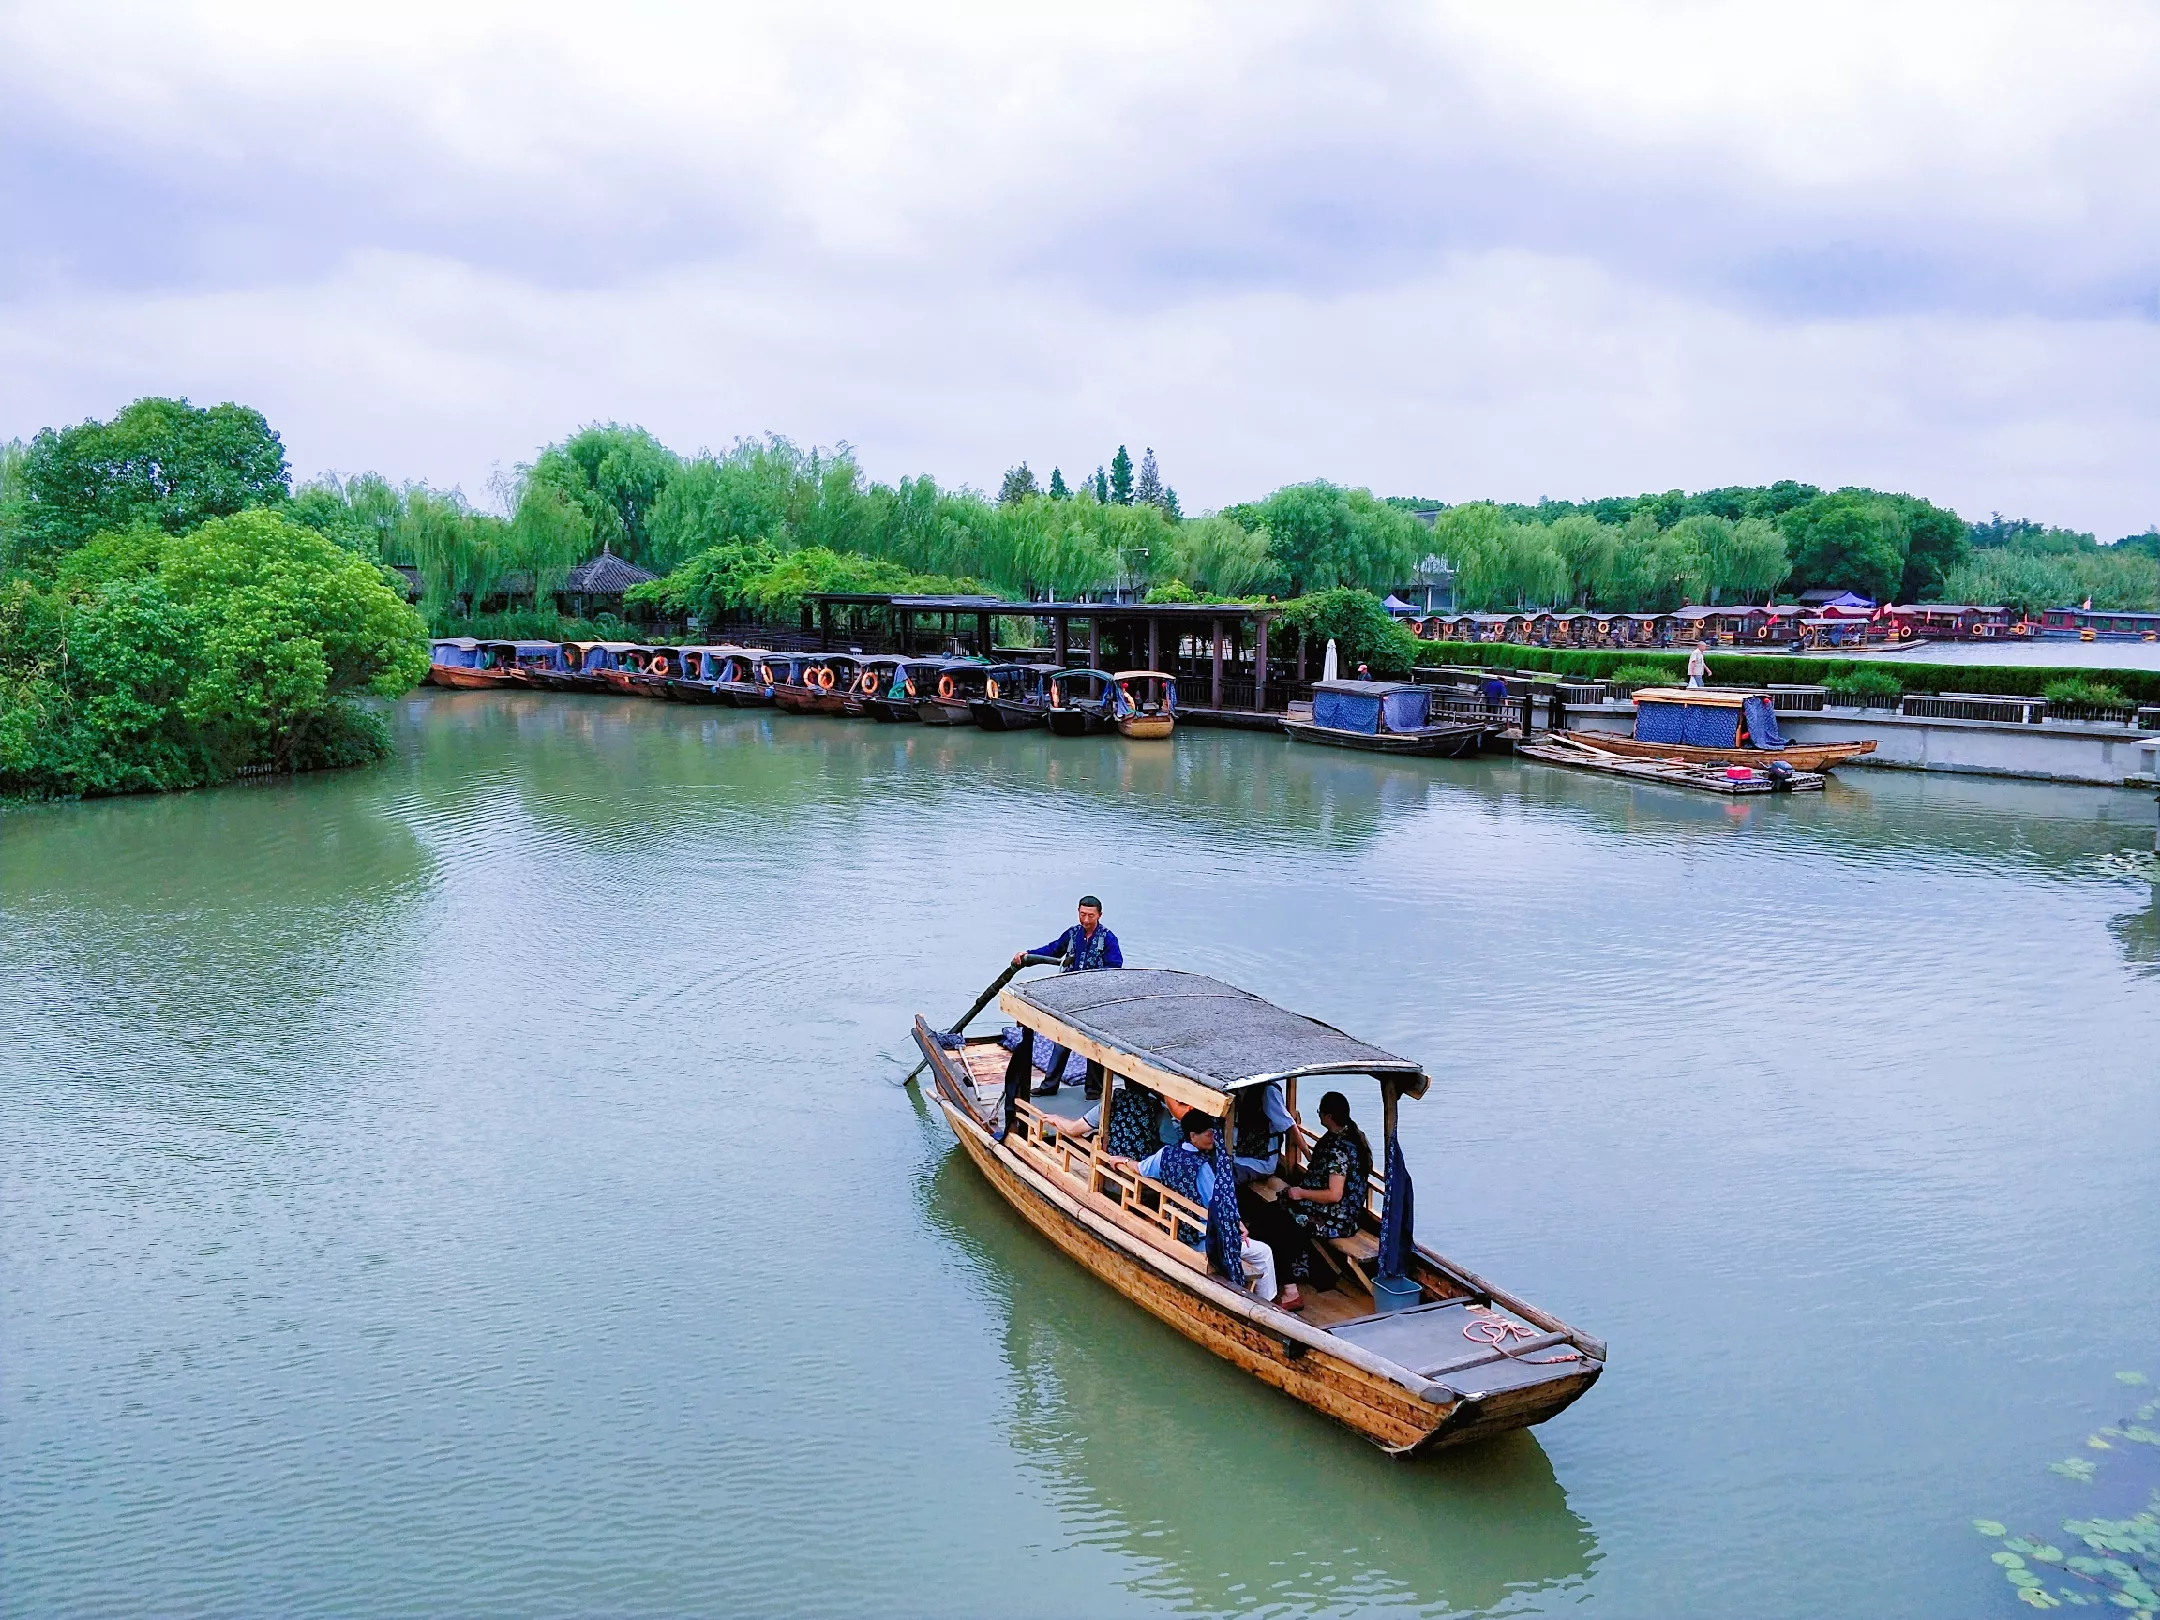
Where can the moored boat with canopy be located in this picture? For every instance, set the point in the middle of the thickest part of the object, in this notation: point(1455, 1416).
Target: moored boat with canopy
point(1702, 725)
point(1419, 1352)
point(1386, 717)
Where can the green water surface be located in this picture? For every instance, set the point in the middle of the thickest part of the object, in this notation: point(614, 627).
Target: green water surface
point(476, 1185)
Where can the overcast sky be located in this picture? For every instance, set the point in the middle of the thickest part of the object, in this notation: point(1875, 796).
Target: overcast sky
point(1453, 251)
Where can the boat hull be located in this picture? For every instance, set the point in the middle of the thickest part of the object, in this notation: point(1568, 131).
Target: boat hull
point(995, 714)
point(475, 680)
point(890, 711)
point(682, 691)
point(1303, 1362)
point(809, 700)
point(1446, 742)
point(1800, 756)
point(943, 712)
point(1077, 723)
point(1147, 727)
point(744, 694)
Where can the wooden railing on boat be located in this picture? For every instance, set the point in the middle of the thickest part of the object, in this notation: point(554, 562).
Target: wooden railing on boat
point(1145, 1208)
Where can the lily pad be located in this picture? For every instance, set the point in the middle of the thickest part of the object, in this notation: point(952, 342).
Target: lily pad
point(2073, 1468)
point(1988, 1527)
point(2130, 1378)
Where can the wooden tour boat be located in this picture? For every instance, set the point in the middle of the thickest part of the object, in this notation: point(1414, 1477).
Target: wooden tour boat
point(460, 661)
point(1463, 1362)
point(648, 670)
point(699, 681)
point(821, 685)
point(739, 679)
point(1015, 696)
point(1574, 751)
point(894, 701)
point(583, 664)
point(1386, 717)
point(1080, 703)
point(875, 678)
point(1700, 725)
point(959, 682)
point(1144, 703)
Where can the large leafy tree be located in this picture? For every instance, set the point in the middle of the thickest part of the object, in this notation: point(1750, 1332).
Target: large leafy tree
point(154, 660)
point(1936, 544)
point(1853, 540)
point(161, 462)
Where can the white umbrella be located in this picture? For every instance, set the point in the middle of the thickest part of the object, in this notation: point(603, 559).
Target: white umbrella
point(1327, 668)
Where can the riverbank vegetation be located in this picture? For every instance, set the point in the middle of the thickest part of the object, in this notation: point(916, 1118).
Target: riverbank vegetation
point(166, 623)
point(125, 662)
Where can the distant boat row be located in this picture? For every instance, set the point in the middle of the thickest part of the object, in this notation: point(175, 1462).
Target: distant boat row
point(1711, 739)
point(1139, 703)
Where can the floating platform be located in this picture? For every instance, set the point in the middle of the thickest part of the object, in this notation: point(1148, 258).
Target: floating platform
point(1563, 749)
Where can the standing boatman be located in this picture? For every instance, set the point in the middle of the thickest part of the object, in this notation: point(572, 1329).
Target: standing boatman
point(1085, 946)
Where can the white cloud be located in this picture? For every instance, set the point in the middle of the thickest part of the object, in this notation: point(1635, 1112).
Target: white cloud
point(1519, 251)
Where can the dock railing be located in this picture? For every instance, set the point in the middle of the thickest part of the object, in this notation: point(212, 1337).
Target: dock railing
point(2025, 711)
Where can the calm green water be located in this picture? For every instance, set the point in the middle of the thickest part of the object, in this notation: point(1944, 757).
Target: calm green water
point(477, 1185)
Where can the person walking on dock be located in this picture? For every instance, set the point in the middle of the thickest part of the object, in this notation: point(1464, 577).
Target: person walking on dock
point(1085, 946)
point(1698, 667)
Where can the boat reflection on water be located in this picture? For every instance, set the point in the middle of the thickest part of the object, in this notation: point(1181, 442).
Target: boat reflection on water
point(1231, 1496)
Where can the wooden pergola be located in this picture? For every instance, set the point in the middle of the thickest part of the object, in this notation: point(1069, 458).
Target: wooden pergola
point(1224, 627)
point(1219, 622)
point(906, 610)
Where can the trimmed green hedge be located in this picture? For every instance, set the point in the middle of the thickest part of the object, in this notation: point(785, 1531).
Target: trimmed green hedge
point(1731, 667)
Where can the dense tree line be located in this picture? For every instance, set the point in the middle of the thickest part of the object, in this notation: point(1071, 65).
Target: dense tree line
point(134, 552)
point(168, 620)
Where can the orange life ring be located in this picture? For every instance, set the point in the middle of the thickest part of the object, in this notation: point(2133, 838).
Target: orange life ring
point(1904, 632)
point(824, 678)
point(869, 683)
point(945, 687)
point(990, 687)
point(1762, 633)
point(658, 666)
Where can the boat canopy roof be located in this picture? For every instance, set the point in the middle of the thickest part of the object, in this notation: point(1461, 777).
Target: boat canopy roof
point(1696, 697)
point(1140, 675)
point(611, 646)
point(527, 646)
point(1088, 677)
point(1190, 1037)
point(1375, 688)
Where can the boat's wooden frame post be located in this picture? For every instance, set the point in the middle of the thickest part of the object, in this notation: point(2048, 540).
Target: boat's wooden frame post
point(1102, 1128)
point(1259, 664)
point(1390, 1094)
point(1215, 653)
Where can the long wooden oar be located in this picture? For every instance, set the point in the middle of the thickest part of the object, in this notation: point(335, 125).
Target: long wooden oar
point(981, 1002)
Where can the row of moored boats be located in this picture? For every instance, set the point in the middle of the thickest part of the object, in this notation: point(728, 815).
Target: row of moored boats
point(880, 686)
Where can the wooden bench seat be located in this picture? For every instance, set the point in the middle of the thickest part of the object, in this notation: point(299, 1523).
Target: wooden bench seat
point(1359, 1251)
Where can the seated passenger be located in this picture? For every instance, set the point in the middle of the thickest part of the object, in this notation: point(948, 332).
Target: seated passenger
point(1261, 1123)
point(1325, 1200)
point(1185, 1169)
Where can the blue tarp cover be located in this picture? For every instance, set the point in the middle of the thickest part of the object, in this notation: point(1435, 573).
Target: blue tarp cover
point(1407, 708)
point(1762, 724)
point(1700, 725)
point(1346, 711)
